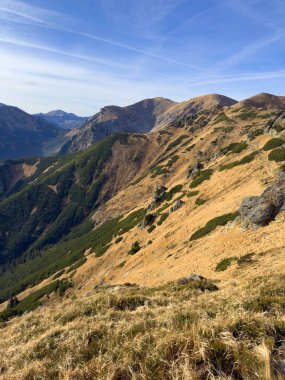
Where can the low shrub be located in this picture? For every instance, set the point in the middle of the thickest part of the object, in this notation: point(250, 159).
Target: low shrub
point(200, 201)
point(163, 217)
point(192, 193)
point(273, 143)
point(151, 228)
point(213, 224)
point(224, 264)
point(277, 155)
point(135, 248)
point(76, 265)
point(200, 177)
point(221, 118)
point(243, 161)
point(234, 148)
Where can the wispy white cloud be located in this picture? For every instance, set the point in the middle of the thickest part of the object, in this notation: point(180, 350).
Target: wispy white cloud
point(33, 15)
point(245, 77)
point(32, 45)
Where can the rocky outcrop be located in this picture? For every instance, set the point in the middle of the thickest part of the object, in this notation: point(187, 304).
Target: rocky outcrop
point(177, 205)
point(148, 220)
point(194, 169)
point(275, 126)
point(142, 117)
point(158, 197)
point(258, 211)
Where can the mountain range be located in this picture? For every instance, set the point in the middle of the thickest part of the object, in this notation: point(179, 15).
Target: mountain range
point(157, 234)
point(63, 119)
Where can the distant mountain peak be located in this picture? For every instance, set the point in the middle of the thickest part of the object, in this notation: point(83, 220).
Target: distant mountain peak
point(264, 100)
point(64, 119)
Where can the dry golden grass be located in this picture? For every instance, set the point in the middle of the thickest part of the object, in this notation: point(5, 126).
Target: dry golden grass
point(175, 332)
point(168, 332)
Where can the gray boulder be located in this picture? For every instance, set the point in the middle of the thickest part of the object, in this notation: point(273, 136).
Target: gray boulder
point(157, 198)
point(260, 210)
point(177, 204)
point(194, 169)
point(148, 220)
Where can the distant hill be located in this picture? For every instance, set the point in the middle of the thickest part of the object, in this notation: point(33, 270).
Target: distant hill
point(63, 119)
point(141, 117)
point(22, 134)
point(264, 100)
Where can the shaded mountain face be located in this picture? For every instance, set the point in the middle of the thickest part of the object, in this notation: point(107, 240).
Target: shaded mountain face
point(22, 134)
point(63, 119)
point(141, 117)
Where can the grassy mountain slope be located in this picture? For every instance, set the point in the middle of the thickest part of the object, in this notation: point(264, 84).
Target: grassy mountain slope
point(228, 327)
point(141, 117)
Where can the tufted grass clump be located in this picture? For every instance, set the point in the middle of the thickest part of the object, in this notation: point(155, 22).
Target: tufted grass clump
point(178, 330)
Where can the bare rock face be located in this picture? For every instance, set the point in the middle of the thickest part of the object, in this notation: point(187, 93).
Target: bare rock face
point(194, 169)
point(274, 127)
point(261, 210)
point(148, 220)
point(177, 205)
point(142, 117)
point(158, 197)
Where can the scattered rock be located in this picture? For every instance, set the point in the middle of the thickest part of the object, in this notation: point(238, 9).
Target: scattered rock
point(258, 211)
point(194, 169)
point(177, 204)
point(199, 154)
point(158, 197)
point(148, 220)
point(273, 127)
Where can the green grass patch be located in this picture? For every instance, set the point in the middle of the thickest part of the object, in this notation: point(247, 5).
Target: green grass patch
point(135, 248)
point(176, 142)
point(162, 218)
point(221, 118)
point(201, 176)
point(247, 114)
point(273, 143)
point(225, 264)
point(76, 265)
point(200, 201)
point(191, 194)
point(237, 147)
point(32, 301)
point(191, 147)
point(122, 264)
point(213, 224)
point(119, 239)
point(151, 228)
point(245, 160)
point(277, 155)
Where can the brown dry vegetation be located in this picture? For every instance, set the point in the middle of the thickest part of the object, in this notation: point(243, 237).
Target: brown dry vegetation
point(161, 330)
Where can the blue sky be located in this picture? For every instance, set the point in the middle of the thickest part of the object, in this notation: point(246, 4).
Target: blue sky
point(79, 55)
